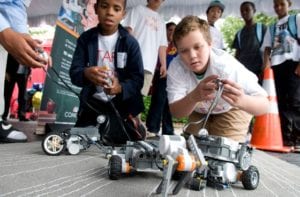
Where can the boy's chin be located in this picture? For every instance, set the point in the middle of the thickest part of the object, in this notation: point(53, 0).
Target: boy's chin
point(197, 69)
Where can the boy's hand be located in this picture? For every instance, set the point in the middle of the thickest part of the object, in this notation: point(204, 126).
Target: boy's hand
point(233, 93)
point(205, 89)
point(115, 87)
point(97, 76)
point(163, 71)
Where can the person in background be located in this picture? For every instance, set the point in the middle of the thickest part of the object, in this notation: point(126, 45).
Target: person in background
point(192, 85)
point(282, 53)
point(159, 111)
point(214, 12)
point(107, 65)
point(89, 18)
point(147, 26)
point(16, 73)
point(248, 40)
point(14, 39)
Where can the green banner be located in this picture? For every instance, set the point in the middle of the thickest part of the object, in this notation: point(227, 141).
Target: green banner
point(73, 19)
point(66, 102)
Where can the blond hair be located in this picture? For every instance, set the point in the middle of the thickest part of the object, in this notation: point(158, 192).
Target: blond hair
point(191, 23)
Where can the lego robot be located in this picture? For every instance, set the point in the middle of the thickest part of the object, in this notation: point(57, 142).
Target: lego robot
point(75, 140)
point(168, 154)
point(228, 163)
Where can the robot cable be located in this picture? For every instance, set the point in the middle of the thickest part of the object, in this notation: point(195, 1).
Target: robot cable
point(67, 87)
point(220, 88)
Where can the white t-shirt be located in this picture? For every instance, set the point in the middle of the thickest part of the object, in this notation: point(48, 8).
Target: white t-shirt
point(105, 57)
point(181, 80)
point(217, 38)
point(149, 30)
point(285, 47)
point(106, 50)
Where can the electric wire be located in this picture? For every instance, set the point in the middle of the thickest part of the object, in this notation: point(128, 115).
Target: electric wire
point(220, 88)
point(67, 87)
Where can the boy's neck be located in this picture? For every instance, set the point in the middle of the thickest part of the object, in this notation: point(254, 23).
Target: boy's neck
point(211, 22)
point(249, 23)
point(282, 16)
point(107, 32)
point(151, 7)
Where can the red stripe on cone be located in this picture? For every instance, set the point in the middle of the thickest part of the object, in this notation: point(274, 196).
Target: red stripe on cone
point(268, 74)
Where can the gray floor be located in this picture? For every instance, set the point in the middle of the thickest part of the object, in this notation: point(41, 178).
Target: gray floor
point(293, 158)
point(26, 171)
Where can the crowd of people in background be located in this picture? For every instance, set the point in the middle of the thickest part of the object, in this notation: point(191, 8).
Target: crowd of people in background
point(159, 115)
point(179, 71)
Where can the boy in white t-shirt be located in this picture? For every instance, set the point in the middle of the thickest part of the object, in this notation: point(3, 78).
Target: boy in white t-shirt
point(282, 54)
point(191, 84)
point(214, 12)
point(147, 26)
point(107, 62)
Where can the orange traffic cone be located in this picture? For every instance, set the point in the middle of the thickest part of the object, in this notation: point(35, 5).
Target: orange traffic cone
point(266, 133)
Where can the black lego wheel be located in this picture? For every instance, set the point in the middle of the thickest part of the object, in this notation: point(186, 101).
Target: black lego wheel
point(197, 183)
point(115, 167)
point(54, 143)
point(250, 178)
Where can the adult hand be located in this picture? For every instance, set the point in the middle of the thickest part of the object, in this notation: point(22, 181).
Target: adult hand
point(22, 47)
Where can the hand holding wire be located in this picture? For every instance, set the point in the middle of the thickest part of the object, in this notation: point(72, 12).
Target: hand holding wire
point(206, 89)
point(233, 93)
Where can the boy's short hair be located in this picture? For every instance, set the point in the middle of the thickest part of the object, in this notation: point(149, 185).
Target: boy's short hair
point(98, 1)
point(191, 23)
point(250, 3)
point(289, 1)
point(169, 24)
point(215, 3)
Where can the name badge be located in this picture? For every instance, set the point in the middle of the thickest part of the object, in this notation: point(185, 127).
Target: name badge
point(121, 59)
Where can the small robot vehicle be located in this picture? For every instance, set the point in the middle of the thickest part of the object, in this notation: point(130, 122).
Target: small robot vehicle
point(110, 132)
point(74, 140)
point(169, 154)
point(227, 163)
